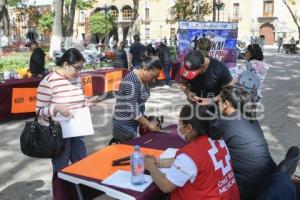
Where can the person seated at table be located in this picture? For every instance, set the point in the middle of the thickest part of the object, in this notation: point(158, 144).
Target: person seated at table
point(202, 168)
point(251, 159)
point(131, 98)
point(120, 60)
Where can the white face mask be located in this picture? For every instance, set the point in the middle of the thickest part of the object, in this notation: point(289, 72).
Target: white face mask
point(180, 134)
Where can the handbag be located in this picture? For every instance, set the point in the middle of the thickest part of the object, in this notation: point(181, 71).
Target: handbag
point(41, 141)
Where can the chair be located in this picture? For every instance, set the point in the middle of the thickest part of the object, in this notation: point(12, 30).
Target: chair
point(289, 164)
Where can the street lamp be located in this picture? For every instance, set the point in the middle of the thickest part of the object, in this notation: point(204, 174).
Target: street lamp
point(219, 5)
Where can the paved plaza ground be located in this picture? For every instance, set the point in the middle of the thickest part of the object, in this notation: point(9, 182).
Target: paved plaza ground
point(22, 177)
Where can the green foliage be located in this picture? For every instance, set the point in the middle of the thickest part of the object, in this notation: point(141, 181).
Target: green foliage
point(81, 4)
point(187, 10)
point(45, 22)
point(15, 3)
point(17, 61)
point(99, 24)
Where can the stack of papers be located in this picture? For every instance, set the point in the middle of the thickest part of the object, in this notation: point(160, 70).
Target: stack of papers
point(122, 179)
point(80, 124)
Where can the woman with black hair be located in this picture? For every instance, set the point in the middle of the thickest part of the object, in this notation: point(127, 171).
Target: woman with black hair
point(255, 56)
point(131, 98)
point(59, 93)
point(251, 159)
point(202, 168)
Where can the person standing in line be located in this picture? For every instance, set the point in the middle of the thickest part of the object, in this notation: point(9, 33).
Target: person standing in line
point(120, 56)
point(136, 53)
point(164, 56)
point(59, 93)
point(37, 60)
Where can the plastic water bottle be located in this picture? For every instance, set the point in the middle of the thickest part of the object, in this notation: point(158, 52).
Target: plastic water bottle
point(137, 166)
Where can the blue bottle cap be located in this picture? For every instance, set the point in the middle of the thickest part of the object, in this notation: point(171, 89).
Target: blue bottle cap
point(136, 147)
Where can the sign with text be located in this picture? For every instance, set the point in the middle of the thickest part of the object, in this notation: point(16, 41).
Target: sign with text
point(222, 35)
point(113, 80)
point(23, 100)
point(87, 85)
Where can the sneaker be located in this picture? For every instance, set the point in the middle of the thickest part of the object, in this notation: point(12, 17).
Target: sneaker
point(166, 86)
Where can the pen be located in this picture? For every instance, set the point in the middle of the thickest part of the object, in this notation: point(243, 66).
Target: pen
point(148, 141)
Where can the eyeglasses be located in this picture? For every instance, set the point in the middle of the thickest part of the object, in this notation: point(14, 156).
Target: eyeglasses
point(77, 68)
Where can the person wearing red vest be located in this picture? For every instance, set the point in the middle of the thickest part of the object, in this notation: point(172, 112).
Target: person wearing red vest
point(202, 168)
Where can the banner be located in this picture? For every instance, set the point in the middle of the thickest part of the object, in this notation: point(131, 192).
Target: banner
point(113, 80)
point(222, 36)
point(87, 86)
point(23, 100)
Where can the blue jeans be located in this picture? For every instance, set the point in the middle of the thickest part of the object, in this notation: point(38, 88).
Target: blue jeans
point(167, 73)
point(74, 151)
point(123, 132)
point(279, 186)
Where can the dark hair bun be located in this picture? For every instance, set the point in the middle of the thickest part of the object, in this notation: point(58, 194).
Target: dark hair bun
point(58, 61)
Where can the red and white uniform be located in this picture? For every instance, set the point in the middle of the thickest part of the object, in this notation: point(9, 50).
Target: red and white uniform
point(202, 170)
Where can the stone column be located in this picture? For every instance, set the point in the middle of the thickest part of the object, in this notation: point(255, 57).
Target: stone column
point(120, 32)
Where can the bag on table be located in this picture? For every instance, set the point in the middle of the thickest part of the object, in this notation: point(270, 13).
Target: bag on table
point(40, 141)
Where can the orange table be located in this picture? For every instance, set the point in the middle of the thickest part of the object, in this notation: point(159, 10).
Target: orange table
point(91, 170)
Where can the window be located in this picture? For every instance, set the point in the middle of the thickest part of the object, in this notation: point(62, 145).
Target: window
point(115, 14)
point(147, 33)
point(147, 16)
point(81, 17)
point(127, 14)
point(236, 10)
point(268, 8)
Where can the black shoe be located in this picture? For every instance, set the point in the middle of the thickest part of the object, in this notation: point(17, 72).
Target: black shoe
point(289, 164)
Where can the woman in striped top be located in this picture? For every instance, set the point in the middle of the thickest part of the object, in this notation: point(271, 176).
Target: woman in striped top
point(132, 96)
point(59, 93)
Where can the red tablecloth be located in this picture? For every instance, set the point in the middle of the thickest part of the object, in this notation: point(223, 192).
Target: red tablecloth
point(94, 82)
point(6, 96)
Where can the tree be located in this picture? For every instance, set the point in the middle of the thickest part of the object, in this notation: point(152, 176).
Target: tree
point(100, 24)
point(45, 22)
point(57, 36)
point(134, 24)
point(70, 6)
point(4, 18)
point(190, 10)
point(288, 5)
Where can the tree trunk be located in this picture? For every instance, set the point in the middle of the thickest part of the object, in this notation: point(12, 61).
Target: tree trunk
point(293, 16)
point(70, 22)
point(4, 18)
point(135, 12)
point(57, 36)
point(214, 10)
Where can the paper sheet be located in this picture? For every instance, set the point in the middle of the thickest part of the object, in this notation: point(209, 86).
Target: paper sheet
point(121, 179)
point(79, 125)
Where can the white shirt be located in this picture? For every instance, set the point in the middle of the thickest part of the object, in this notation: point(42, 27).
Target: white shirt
point(182, 170)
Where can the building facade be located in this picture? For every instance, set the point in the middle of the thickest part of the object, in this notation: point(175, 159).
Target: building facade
point(153, 22)
point(268, 18)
